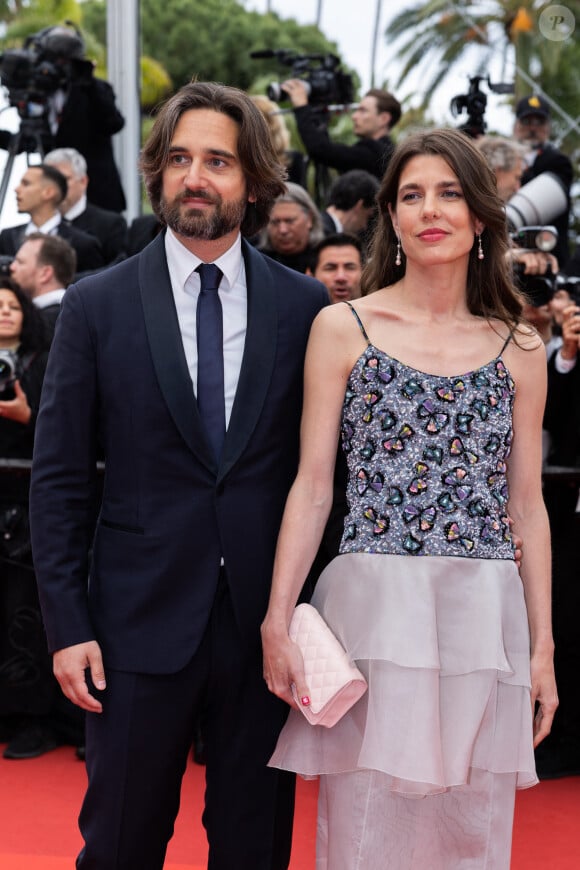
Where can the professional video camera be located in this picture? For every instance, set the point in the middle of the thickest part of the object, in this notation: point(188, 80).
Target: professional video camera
point(48, 61)
point(475, 102)
point(325, 82)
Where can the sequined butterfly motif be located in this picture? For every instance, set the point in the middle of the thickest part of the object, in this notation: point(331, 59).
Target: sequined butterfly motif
point(419, 483)
point(368, 450)
point(497, 482)
point(477, 508)
point(412, 545)
point(394, 496)
point(412, 388)
point(435, 420)
point(370, 399)
point(454, 535)
point(449, 394)
point(456, 479)
point(425, 517)
point(493, 444)
point(347, 431)
point(373, 371)
point(396, 444)
point(364, 481)
point(490, 529)
point(433, 453)
point(386, 418)
point(457, 448)
point(463, 423)
point(480, 379)
point(446, 503)
point(484, 406)
point(380, 522)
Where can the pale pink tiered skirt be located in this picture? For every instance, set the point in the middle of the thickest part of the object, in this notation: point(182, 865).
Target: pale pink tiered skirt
point(444, 644)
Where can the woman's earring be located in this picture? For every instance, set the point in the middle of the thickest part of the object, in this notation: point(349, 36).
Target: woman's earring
point(398, 257)
point(480, 254)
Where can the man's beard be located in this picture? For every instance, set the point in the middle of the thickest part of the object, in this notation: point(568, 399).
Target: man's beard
point(202, 224)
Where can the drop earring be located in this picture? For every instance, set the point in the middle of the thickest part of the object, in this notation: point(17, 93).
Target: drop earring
point(398, 257)
point(480, 254)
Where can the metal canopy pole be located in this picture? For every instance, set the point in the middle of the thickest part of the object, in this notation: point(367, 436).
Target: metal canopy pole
point(123, 72)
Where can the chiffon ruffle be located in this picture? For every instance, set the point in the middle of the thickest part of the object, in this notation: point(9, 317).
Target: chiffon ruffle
point(444, 644)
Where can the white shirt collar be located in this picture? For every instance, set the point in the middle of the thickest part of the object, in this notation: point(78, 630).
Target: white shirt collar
point(182, 262)
point(77, 209)
point(53, 297)
point(47, 227)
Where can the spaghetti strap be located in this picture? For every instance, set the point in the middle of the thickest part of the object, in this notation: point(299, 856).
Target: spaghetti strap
point(360, 323)
point(506, 342)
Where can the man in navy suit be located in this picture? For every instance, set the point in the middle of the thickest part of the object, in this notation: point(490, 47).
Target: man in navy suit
point(167, 626)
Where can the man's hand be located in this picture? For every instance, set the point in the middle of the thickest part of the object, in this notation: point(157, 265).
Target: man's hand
point(297, 92)
point(534, 262)
point(16, 409)
point(69, 665)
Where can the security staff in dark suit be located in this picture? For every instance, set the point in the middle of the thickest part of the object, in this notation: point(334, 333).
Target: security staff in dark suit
point(532, 129)
point(39, 194)
point(109, 227)
point(185, 362)
point(373, 119)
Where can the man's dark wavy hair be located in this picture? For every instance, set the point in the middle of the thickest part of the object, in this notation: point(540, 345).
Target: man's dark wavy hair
point(263, 172)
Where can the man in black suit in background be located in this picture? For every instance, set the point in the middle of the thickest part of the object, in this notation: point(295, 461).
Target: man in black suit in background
point(39, 194)
point(201, 447)
point(109, 227)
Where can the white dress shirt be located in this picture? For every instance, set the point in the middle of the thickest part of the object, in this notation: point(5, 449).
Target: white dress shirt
point(53, 297)
point(234, 299)
point(49, 227)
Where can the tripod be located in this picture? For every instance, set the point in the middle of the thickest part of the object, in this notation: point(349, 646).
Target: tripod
point(29, 139)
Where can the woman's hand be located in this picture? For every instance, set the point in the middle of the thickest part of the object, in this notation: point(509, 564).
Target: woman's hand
point(283, 666)
point(570, 332)
point(17, 409)
point(544, 695)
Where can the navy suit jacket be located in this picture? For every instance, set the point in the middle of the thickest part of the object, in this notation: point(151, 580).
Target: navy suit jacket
point(118, 376)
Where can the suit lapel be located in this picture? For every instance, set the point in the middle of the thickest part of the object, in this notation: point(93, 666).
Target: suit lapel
point(258, 358)
point(167, 351)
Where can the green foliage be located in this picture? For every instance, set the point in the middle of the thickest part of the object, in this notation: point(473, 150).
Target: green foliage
point(212, 40)
point(432, 37)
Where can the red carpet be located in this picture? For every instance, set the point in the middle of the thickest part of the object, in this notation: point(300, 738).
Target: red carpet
point(39, 802)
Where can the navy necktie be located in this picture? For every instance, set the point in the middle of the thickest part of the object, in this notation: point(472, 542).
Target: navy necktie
point(210, 356)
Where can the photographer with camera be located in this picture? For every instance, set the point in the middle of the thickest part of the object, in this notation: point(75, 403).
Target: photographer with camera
point(63, 105)
point(532, 130)
point(373, 119)
point(507, 160)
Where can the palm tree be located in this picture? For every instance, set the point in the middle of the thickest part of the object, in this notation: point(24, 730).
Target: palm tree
point(433, 36)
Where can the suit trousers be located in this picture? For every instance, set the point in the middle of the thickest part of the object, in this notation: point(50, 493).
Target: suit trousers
point(138, 747)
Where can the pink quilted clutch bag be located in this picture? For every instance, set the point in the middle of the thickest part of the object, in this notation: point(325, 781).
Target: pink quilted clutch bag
point(333, 681)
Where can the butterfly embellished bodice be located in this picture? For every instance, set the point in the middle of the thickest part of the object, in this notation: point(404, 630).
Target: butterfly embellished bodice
point(426, 458)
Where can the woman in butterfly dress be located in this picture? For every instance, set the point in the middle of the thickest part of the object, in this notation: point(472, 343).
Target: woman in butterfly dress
point(436, 387)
